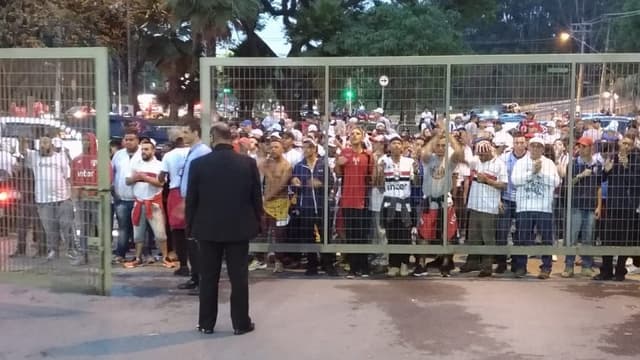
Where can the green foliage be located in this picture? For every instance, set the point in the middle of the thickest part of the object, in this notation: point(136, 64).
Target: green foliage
point(396, 30)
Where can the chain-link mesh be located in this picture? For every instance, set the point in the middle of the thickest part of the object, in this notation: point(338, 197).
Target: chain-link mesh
point(49, 203)
point(491, 159)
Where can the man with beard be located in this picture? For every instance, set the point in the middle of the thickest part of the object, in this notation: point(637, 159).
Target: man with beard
point(147, 208)
point(53, 199)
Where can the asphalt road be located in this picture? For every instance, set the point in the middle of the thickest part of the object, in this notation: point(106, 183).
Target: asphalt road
point(430, 318)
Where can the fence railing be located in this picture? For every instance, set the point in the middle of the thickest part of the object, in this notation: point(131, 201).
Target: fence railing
point(329, 92)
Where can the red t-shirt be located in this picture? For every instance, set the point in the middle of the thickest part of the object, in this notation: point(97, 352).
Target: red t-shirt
point(84, 171)
point(356, 173)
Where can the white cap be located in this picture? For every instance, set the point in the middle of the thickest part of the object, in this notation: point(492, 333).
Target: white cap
point(57, 142)
point(353, 120)
point(312, 128)
point(275, 127)
point(379, 111)
point(332, 142)
point(536, 140)
point(256, 133)
point(275, 135)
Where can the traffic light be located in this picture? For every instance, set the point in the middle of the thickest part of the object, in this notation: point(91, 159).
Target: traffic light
point(349, 94)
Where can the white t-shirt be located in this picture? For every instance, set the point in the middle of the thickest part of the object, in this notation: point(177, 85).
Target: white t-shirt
point(462, 169)
point(397, 177)
point(294, 156)
point(143, 190)
point(121, 164)
point(7, 161)
point(534, 192)
point(482, 197)
point(435, 183)
point(173, 163)
point(51, 175)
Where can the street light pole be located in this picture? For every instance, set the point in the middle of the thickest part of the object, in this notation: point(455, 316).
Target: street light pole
point(603, 75)
point(583, 32)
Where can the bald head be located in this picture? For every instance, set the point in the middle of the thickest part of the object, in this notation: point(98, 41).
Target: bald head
point(220, 133)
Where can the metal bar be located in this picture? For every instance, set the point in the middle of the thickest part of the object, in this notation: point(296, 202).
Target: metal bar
point(205, 98)
point(101, 76)
point(447, 171)
point(327, 119)
point(425, 60)
point(451, 249)
point(569, 174)
point(50, 53)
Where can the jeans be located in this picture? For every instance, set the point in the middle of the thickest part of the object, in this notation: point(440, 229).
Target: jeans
point(57, 221)
point(86, 221)
point(125, 226)
point(582, 224)
point(526, 222)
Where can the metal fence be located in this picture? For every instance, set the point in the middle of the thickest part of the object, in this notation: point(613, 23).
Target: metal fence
point(569, 93)
point(54, 210)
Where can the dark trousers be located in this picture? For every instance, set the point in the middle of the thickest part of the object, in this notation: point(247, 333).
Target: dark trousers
point(180, 246)
point(397, 234)
point(504, 228)
point(307, 222)
point(236, 256)
point(193, 249)
point(356, 224)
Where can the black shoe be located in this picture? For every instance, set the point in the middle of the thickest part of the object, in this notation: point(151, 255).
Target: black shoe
point(188, 285)
point(619, 278)
point(251, 327)
point(436, 263)
point(485, 273)
point(419, 271)
point(331, 271)
point(501, 268)
point(311, 272)
point(603, 277)
point(194, 292)
point(520, 273)
point(468, 268)
point(203, 330)
point(182, 271)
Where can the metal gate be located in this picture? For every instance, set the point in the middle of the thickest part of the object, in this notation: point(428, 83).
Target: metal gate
point(406, 89)
point(54, 163)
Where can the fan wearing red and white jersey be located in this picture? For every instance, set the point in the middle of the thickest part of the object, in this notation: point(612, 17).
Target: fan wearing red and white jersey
point(147, 208)
point(397, 173)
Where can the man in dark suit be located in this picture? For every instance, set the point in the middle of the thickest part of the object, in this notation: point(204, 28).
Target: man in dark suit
point(223, 212)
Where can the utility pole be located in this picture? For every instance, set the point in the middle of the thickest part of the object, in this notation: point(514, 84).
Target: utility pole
point(603, 75)
point(580, 28)
point(130, 88)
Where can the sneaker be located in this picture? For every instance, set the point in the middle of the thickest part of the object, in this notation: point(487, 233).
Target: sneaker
point(404, 270)
point(118, 260)
point(51, 255)
point(351, 276)
point(568, 272)
point(133, 263)
point(257, 265)
point(587, 272)
point(544, 274)
point(393, 271)
point(278, 268)
point(520, 273)
point(554, 258)
point(420, 271)
point(364, 276)
point(79, 260)
point(149, 260)
point(501, 268)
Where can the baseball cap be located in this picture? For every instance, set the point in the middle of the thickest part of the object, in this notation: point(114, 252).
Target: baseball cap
point(256, 133)
point(312, 128)
point(309, 141)
point(245, 123)
point(380, 125)
point(332, 142)
point(379, 111)
point(275, 135)
point(57, 142)
point(586, 141)
point(536, 140)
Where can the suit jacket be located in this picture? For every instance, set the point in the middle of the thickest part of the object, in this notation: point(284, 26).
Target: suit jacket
point(224, 197)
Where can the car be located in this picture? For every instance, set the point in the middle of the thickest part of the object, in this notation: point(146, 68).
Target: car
point(605, 120)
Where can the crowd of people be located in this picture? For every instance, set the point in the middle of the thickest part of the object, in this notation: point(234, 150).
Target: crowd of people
point(372, 185)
